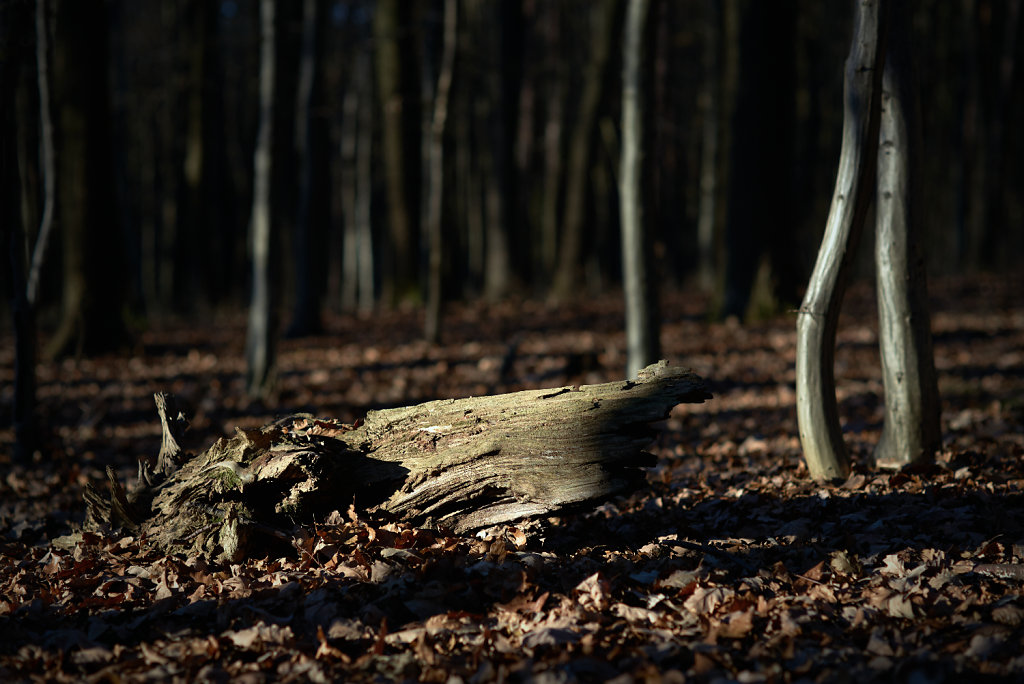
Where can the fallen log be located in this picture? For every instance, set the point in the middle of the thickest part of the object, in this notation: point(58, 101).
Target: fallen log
point(456, 464)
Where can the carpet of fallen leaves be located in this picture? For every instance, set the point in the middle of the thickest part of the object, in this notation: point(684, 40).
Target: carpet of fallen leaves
point(729, 566)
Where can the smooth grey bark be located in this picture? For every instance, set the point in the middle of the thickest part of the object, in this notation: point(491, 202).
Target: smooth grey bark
point(432, 330)
point(911, 433)
point(641, 313)
point(259, 343)
point(817, 413)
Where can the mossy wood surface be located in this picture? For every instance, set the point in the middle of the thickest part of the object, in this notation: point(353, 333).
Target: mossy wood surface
point(460, 464)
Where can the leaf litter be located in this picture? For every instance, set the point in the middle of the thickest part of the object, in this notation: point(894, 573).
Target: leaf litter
point(729, 565)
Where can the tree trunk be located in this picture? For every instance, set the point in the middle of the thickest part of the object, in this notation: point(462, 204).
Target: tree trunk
point(817, 414)
point(306, 309)
point(14, 21)
point(397, 86)
point(568, 275)
point(94, 293)
point(259, 344)
point(436, 198)
point(641, 311)
point(458, 464)
point(758, 190)
point(46, 153)
point(911, 433)
point(356, 187)
point(710, 105)
point(554, 97)
point(505, 24)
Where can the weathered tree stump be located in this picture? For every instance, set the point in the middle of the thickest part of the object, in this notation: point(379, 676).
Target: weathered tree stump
point(460, 464)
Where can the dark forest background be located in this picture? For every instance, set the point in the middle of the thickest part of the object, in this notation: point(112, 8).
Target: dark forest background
point(155, 108)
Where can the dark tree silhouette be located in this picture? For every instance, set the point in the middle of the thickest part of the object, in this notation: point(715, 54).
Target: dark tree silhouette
point(94, 292)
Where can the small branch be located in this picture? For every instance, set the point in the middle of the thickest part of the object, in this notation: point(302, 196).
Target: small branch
point(173, 424)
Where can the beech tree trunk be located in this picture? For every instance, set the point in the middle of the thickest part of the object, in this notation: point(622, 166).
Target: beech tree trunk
point(641, 311)
point(911, 433)
point(817, 413)
point(259, 344)
point(458, 464)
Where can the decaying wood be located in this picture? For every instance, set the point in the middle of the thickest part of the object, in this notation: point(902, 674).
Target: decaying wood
point(173, 424)
point(460, 464)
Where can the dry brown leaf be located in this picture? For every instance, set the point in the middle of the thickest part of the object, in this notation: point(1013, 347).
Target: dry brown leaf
point(705, 600)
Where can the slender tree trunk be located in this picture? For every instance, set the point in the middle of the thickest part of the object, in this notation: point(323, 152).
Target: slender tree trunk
point(259, 348)
point(568, 275)
point(554, 154)
point(436, 198)
point(911, 433)
point(16, 109)
point(641, 313)
point(94, 295)
point(306, 307)
point(505, 21)
point(23, 315)
point(350, 140)
point(364, 191)
point(46, 153)
point(397, 85)
point(470, 204)
point(710, 100)
point(760, 156)
point(817, 413)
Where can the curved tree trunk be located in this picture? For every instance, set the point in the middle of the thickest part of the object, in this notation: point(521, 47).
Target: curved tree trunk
point(817, 414)
point(46, 153)
point(911, 433)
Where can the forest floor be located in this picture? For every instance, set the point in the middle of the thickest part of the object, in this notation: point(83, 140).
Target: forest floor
point(729, 565)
